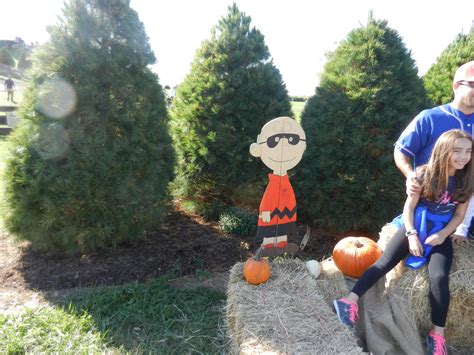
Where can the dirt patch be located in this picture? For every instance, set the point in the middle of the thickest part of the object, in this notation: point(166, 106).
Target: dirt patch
point(194, 252)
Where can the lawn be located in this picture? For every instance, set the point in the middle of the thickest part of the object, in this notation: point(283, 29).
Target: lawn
point(137, 318)
point(297, 107)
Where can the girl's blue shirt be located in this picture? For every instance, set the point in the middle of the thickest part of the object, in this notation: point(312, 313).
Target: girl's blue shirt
point(446, 203)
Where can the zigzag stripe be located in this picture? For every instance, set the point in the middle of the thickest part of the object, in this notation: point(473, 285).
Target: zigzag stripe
point(286, 212)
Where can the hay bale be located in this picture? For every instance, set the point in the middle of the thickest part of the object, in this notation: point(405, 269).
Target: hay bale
point(411, 288)
point(332, 283)
point(287, 314)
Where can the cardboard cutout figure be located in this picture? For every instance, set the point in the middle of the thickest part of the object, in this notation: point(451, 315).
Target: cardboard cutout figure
point(280, 145)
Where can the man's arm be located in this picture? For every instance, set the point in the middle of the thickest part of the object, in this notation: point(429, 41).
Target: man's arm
point(404, 164)
point(463, 229)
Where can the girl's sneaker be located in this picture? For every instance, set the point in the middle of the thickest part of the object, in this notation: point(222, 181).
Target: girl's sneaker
point(347, 311)
point(436, 344)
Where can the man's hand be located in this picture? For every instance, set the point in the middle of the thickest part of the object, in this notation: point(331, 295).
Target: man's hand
point(459, 239)
point(265, 216)
point(413, 187)
point(435, 239)
point(414, 245)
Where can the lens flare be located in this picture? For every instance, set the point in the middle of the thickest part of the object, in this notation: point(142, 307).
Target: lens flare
point(53, 141)
point(56, 98)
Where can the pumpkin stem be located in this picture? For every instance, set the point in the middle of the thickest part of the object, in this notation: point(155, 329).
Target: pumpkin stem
point(258, 255)
point(358, 244)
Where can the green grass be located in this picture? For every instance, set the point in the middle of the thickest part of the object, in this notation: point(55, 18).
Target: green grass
point(297, 108)
point(50, 330)
point(138, 318)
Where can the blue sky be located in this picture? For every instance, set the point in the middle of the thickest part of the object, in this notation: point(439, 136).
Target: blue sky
point(298, 33)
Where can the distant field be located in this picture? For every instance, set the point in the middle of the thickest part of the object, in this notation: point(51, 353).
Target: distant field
point(297, 108)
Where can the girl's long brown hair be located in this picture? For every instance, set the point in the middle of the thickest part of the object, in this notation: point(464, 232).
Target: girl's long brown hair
point(436, 172)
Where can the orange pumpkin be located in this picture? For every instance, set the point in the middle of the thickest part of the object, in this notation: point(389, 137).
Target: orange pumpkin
point(354, 255)
point(257, 269)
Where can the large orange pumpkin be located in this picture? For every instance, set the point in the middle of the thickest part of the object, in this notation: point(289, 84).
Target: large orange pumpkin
point(257, 269)
point(354, 255)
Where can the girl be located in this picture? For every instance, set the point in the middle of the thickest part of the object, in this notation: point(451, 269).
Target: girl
point(446, 185)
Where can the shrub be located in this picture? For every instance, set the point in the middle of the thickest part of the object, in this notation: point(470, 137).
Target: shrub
point(92, 161)
point(24, 62)
point(238, 221)
point(6, 58)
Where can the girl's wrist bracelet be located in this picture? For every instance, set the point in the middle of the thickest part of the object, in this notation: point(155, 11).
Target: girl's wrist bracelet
point(411, 232)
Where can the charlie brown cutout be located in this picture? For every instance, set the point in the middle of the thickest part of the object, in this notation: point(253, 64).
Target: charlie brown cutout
point(280, 145)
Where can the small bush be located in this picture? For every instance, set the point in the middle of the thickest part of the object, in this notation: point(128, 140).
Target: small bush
point(238, 221)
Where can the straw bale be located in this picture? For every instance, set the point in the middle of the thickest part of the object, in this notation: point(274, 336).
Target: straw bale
point(332, 283)
point(411, 288)
point(285, 315)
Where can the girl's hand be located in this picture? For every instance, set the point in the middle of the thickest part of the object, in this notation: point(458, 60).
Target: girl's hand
point(415, 246)
point(435, 239)
point(459, 240)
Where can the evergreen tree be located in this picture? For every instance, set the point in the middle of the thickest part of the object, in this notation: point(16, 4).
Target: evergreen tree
point(438, 79)
point(232, 90)
point(368, 92)
point(6, 58)
point(95, 173)
point(24, 62)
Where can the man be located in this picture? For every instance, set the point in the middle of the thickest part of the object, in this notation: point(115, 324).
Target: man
point(9, 86)
point(280, 145)
point(415, 144)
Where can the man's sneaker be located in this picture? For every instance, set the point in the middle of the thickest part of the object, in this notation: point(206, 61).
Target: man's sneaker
point(347, 311)
point(436, 344)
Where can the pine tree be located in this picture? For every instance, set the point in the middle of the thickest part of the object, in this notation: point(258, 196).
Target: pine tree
point(24, 62)
point(233, 88)
point(6, 57)
point(438, 79)
point(93, 158)
point(368, 92)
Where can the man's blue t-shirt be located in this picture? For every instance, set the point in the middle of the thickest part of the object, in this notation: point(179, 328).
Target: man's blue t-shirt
point(418, 139)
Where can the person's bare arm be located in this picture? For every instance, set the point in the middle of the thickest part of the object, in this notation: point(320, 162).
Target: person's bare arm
point(404, 164)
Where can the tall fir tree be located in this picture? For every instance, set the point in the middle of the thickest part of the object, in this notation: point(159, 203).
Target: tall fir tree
point(97, 174)
point(368, 92)
point(438, 79)
point(232, 90)
point(24, 62)
point(6, 57)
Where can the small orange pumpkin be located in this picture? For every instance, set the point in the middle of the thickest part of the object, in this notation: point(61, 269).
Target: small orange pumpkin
point(257, 269)
point(354, 255)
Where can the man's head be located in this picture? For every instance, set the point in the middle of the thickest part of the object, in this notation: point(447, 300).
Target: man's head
point(463, 86)
point(280, 144)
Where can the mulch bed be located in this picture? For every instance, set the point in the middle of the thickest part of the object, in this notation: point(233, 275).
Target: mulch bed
point(184, 245)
